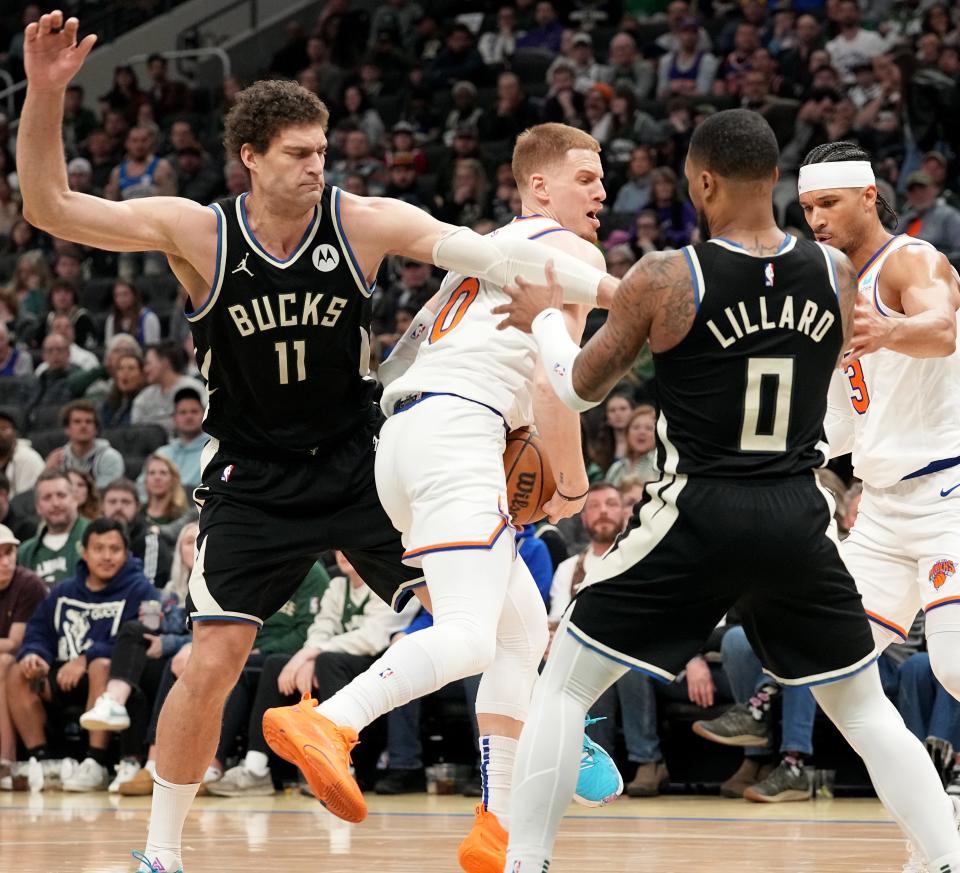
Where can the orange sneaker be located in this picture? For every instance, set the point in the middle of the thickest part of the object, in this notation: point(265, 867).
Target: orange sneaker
point(321, 749)
point(484, 849)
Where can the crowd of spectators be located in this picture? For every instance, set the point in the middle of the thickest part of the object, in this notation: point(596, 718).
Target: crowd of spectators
point(101, 403)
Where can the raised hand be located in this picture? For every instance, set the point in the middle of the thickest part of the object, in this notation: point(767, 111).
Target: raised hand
point(51, 55)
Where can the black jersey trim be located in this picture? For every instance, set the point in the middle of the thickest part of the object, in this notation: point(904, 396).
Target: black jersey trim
point(831, 270)
point(218, 268)
point(251, 238)
point(352, 262)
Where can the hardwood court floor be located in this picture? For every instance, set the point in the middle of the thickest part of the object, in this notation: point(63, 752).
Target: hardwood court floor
point(94, 833)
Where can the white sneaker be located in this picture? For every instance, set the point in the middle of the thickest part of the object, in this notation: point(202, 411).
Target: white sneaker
point(89, 776)
point(106, 715)
point(159, 862)
point(126, 770)
point(240, 782)
point(953, 786)
point(916, 863)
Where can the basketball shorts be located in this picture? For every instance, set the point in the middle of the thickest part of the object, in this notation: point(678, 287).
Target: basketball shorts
point(698, 547)
point(263, 524)
point(440, 476)
point(904, 553)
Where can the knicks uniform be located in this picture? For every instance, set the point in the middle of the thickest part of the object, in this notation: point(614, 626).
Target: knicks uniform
point(737, 518)
point(288, 473)
point(899, 416)
point(440, 459)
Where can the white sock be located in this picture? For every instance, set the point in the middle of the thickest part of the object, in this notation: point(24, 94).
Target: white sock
point(171, 804)
point(497, 755)
point(151, 767)
point(257, 763)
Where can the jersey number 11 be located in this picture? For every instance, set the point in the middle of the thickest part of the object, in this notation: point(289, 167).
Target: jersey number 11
point(300, 350)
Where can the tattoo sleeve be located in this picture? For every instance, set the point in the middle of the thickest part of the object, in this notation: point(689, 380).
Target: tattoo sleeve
point(655, 296)
point(848, 286)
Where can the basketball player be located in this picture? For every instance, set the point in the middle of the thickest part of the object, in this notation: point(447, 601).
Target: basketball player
point(440, 477)
point(892, 403)
point(895, 408)
point(278, 281)
point(746, 330)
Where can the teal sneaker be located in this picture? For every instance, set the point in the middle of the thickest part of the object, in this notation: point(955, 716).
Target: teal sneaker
point(600, 781)
point(163, 862)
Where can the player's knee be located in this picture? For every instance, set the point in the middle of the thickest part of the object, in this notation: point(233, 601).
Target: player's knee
point(947, 671)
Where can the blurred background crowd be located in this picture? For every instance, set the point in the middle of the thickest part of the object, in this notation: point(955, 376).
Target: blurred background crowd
point(101, 404)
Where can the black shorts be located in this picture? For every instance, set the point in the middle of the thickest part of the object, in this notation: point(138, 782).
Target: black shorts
point(60, 700)
point(698, 547)
point(264, 522)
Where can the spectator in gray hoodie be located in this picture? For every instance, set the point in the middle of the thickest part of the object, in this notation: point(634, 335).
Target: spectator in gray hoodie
point(84, 449)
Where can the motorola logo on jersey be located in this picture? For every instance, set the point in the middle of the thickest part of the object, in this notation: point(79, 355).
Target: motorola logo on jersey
point(326, 258)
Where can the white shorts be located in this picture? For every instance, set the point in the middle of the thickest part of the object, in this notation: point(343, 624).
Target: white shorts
point(440, 476)
point(904, 551)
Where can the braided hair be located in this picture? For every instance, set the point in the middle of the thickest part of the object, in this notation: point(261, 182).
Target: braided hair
point(848, 151)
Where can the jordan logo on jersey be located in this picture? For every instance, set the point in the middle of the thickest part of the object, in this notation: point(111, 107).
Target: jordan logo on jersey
point(940, 572)
point(242, 266)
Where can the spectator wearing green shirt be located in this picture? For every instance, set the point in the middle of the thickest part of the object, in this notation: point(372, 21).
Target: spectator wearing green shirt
point(53, 553)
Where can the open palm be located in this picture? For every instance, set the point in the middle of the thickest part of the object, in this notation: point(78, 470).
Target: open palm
point(51, 55)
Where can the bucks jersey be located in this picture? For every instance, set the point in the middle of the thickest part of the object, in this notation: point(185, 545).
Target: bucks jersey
point(465, 354)
point(744, 393)
point(283, 344)
point(902, 410)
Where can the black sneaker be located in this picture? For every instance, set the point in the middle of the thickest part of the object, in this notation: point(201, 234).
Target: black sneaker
point(401, 782)
point(790, 781)
point(738, 726)
point(941, 753)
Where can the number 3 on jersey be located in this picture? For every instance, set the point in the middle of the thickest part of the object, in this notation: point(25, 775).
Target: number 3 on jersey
point(859, 396)
point(455, 308)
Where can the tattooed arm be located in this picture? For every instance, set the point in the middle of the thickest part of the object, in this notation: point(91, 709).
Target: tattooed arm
point(848, 287)
point(654, 301)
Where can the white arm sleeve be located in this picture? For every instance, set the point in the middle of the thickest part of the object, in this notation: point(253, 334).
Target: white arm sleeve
point(839, 420)
point(558, 352)
point(500, 259)
point(404, 353)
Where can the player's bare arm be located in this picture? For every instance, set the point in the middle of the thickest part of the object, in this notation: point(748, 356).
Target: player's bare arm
point(921, 283)
point(179, 227)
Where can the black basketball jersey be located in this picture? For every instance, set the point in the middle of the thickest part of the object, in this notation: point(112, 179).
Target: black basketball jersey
point(283, 344)
point(745, 392)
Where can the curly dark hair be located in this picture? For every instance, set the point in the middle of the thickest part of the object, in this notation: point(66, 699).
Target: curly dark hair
point(267, 107)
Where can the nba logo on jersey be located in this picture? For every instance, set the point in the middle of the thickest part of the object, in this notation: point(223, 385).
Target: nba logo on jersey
point(227, 473)
point(768, 276)
point(386, 674)
point(940, 572)
point(516, 866)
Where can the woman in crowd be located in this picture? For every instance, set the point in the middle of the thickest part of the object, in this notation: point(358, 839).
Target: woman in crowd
point(678, 219)
point(128, 381)
point(640, 458)
point(166, 505)
point(129, 315)
point(62, 300)
point(86, 493)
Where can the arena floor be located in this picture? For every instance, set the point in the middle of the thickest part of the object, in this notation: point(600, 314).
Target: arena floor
point(94, 833)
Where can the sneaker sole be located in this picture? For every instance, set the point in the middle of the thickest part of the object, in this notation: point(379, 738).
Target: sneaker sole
point(481, 860)
point(603, 801)
point(93, 724)
point(323, 776)
point(783, 797)
point(740, 740)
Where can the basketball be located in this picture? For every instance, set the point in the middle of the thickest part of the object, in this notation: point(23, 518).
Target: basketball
point(529, 477)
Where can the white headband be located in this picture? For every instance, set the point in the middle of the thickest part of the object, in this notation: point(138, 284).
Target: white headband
point(836, 174)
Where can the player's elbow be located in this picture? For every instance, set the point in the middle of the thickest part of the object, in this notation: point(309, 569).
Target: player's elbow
point(946, 336)
point(41, 212)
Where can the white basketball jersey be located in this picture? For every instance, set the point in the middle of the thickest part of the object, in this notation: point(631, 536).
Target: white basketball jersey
point(465, 354)
point(905, 411)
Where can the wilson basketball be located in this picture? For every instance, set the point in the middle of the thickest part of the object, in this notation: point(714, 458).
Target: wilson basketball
point(529, 477)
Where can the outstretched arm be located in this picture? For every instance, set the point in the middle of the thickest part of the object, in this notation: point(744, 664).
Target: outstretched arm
point(928, 293)
point(654, 300)
point(52, 57)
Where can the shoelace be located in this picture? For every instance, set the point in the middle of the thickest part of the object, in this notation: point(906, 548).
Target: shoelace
point(143, 859)
point(588, 753)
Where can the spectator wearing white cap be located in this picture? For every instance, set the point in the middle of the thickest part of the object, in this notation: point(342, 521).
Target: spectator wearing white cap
point(80, 175)
point(21, 592)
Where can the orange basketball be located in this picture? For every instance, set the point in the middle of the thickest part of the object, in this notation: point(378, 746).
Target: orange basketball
point(529, 477)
